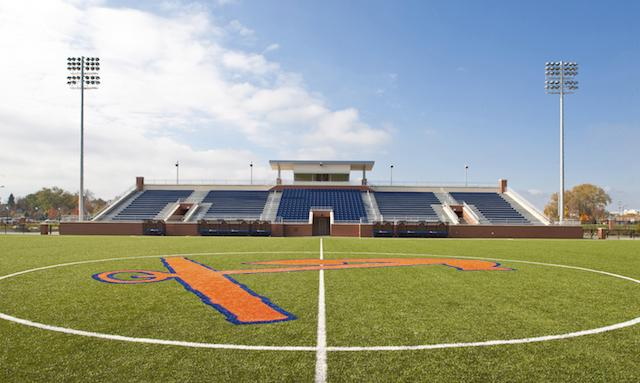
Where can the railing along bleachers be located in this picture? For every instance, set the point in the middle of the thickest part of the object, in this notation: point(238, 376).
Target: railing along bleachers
point(148, 204)
point(415, 206)
point(346, 204)
point(492, 206)
point(247, 204)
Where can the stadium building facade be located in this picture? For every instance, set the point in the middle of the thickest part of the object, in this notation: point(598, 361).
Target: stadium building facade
point(322, 199)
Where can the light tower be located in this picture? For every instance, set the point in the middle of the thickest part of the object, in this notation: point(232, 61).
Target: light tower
point(83, 74)
point(560, 79)
point(466, 175)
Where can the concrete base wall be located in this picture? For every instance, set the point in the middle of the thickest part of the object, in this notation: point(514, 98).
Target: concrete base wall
point(183, 229)
point(297, 230)
point(339, 230)
point(351, 230)
point(499, 231)
point(100, 228)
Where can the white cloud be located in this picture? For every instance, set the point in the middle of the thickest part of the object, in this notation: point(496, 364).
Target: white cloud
point(164, 78)
point(271, 48)
point(250, 63)
point(237, 27)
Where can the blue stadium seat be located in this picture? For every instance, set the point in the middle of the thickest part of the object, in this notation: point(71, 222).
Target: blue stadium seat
point(148, 204)
point(235, 203)
point(346, 203)
point(492, 206)
point(407, 205)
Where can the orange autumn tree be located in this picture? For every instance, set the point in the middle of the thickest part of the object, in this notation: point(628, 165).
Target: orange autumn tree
point(585, 202)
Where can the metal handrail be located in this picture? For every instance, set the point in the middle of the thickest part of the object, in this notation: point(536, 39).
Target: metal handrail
point(430, 184)
point(409, 219)
point(352, 182)
point(321, 208)
point(188, 182)
point(508, 221)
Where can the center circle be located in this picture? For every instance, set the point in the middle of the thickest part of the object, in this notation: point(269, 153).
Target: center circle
point(330, 348)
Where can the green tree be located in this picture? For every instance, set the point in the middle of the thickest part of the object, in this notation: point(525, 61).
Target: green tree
point(44, 200)
point(551, 209)
point(11, 202)
point(588, 203)
point(585, 202)
point(54, 201)
point(93, 205)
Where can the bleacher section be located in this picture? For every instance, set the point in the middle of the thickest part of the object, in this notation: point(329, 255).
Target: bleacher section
point(347, 204)
point(148, 204)
point(318, 198)
point(492, 206)
point(235, 203)
point(412, 206)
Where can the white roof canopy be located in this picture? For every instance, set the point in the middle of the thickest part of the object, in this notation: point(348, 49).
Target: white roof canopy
point(296, 164)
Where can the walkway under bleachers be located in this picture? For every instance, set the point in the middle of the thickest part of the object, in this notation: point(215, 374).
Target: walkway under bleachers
point(151, 202)
point(346, 204)
point(407, 206)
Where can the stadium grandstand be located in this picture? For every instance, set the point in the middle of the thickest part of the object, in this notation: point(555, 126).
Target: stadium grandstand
point(322, 198)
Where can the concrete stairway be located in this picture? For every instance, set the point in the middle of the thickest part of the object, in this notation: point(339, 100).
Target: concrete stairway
point(120, 207)
point(370, 206)
point(524, 212)
point(271, 207)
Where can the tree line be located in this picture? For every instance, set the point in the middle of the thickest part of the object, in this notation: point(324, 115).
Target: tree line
point(50, 203)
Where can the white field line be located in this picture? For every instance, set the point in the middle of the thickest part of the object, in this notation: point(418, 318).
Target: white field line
point(321, 344)
point(495, 259)
point(65, 330)
point(150, 256)
point(153, 340)
point(492, 342)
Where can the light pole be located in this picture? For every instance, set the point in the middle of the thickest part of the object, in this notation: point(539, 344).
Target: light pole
point(560, 79)
point(466, 175)
point(83, 75)
point(251, 170)
point(177, 172)
point(391, 175)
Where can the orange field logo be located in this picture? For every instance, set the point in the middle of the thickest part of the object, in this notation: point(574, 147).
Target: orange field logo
point(241, 305)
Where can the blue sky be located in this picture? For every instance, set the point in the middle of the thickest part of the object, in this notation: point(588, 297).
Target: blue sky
point(462, 82)
point(426, 86)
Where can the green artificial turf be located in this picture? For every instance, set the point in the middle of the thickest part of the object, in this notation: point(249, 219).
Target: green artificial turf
point(392, 306)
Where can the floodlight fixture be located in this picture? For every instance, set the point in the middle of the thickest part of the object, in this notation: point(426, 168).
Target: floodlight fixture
point(560, 79)
point(391, 175)
point(83, 75)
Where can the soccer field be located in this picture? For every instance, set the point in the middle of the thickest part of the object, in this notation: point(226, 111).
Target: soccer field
point(304, 309)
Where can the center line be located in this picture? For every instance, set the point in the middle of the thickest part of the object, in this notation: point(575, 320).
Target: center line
point(321, 347)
